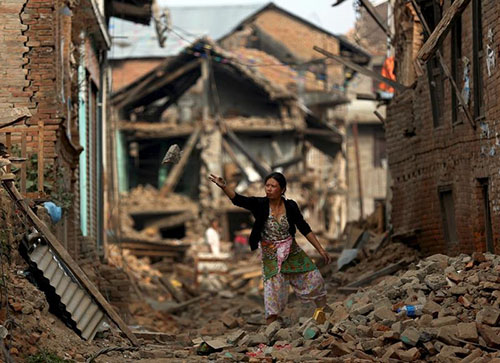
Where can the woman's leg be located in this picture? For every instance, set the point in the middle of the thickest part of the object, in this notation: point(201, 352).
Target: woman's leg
point(275, 297)
point(309, 286)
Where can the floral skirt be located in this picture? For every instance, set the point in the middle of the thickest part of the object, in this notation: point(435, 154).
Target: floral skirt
point(308, 286)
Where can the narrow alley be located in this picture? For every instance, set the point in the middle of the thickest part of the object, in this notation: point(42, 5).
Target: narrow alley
point(238, 181)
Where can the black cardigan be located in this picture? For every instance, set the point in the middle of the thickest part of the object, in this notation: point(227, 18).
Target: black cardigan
point(259, 207)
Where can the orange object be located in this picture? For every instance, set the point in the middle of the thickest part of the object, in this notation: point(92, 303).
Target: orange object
point(387, 72)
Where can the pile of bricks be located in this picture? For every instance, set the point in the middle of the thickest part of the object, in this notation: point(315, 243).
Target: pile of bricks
point(456, 315)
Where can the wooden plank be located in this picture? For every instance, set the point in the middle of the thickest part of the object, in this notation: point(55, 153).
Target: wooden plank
point(380, 117)
point(447, 72)
point(176, 172)
point(180, 307)
point(262, 170)
point(23, 165)
point(229, 150)
point(8, 144)
point(375, 275)
point(432, 44)
point(171, 289)
point(362, 70)
point(71, 264)
point(40, 156)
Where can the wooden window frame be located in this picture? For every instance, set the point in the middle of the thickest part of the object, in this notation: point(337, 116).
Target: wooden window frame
point(456, 56)
point(477, 59)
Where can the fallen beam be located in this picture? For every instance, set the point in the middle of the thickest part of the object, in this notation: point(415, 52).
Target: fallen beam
point(263, 171)
point(432, 43)
point(375, 275)
point(229, 150)
point(362, 70)
point(71, 264)
point(170, 288)
point(180, 307)
point(176, 172)
point(447, 72)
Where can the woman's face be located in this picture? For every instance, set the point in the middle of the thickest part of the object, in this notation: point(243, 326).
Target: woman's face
point(273, 189)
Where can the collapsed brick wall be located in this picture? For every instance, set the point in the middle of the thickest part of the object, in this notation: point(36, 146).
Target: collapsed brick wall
point(32, 53)
point(424, 158)
point(113, 283)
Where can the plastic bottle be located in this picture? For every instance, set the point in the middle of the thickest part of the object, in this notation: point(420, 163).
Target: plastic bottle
point(412, 310)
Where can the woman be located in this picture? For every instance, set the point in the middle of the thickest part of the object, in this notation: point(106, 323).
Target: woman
point(283, 261)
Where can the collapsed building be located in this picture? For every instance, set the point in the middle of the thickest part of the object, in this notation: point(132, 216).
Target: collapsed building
point(442, 130)
point(230, 119)
point(267, 29)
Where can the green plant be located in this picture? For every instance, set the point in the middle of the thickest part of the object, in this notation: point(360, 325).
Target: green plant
point(46, 357)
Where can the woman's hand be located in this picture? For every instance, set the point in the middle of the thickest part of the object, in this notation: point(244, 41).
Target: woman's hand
point(220, 182)
point(326, 257)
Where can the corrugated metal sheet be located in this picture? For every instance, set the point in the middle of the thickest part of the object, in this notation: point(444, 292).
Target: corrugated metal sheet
point(83, 311)
point(131, 40)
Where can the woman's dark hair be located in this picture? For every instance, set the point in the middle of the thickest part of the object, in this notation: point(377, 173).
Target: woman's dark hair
point(280, 178)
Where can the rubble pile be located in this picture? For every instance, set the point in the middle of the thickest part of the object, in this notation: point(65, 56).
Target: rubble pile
point(444, 309)
point(368, 263)
point(144, 199)
point(29, 330)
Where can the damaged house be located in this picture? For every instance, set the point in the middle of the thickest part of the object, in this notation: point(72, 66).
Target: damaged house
point(54, 132)
point(268, 30)
point(230, 119)
point(442, 132)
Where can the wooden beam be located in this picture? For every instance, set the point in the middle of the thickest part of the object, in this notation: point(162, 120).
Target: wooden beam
point(176, 172)
point(170, 288)
point(366, 279)
point(289, 162)
point(71, 264)
point(153, 84)
point(262, 170)
point(447, 72)
point(380, 117)
point(229, 150)
point(373, 13)
point(362, 70)
point(432, 43)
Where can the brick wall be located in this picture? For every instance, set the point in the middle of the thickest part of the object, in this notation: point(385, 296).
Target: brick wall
point(454, 156)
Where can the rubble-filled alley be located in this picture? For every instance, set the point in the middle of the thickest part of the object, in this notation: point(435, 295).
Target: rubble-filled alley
point(275, 182)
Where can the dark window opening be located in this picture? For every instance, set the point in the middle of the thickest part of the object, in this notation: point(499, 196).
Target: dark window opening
point(456, 56)
point(485, 186)
point(379, 149)
point(178, 232)
point(478, 58)
point(448, 215)
point(431, 11)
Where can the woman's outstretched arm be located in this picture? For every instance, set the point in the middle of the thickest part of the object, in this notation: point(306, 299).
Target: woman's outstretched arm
point(239, 200)
point(221, 183)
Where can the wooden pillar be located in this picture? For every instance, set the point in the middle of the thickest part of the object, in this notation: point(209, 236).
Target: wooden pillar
point(358, 169)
